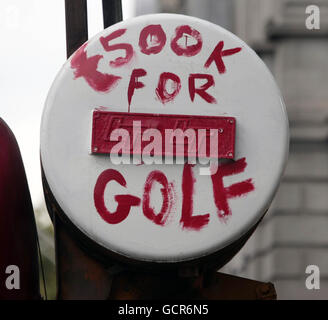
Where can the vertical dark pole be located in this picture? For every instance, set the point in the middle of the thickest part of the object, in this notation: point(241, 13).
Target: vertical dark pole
point(79, 275)
point(76, 24)
point(112, 12)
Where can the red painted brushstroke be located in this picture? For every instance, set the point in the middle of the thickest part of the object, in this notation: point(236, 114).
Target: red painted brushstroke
point(120, 61)
point(87, 68)
point(239, 189)
point(124, 202)
point(18, 234)
point(134, 83)
point(167, 194)
point(157, 39)
point(201, 91)
point(217, 54)
point(187, 220)
point(161, 90)
point(221, 193)
point(187, 51)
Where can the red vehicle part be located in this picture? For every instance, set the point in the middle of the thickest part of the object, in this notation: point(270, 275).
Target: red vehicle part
point(18, 234)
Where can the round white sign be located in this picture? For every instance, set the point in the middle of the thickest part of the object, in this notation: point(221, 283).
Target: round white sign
point(107, 125)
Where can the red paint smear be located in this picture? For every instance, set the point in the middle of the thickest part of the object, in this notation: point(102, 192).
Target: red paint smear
point(240, 189)
point(87, 69)
point(120, 61)
point(161, 91)
point(153, 30)
point(222, 194)
point(134, 83)
point(201, 91)
point(167, 194)
point(217, 55)
point(189, 221)
point(124, 202)
point(229, 169)
point(188, 51)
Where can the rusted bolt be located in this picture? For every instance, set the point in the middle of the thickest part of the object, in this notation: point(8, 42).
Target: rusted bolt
point(264, 288)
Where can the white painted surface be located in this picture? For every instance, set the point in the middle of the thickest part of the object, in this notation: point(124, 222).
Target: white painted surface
point(246, 91)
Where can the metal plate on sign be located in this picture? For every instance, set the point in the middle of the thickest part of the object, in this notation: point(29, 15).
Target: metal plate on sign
point(136, 124)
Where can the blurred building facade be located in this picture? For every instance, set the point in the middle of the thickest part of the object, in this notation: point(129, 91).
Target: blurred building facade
point(294, 233)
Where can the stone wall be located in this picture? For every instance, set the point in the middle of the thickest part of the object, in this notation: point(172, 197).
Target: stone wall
point(294, 233)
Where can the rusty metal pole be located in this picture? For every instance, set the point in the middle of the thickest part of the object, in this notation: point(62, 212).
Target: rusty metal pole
point(112, 12)
point(76, 24)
